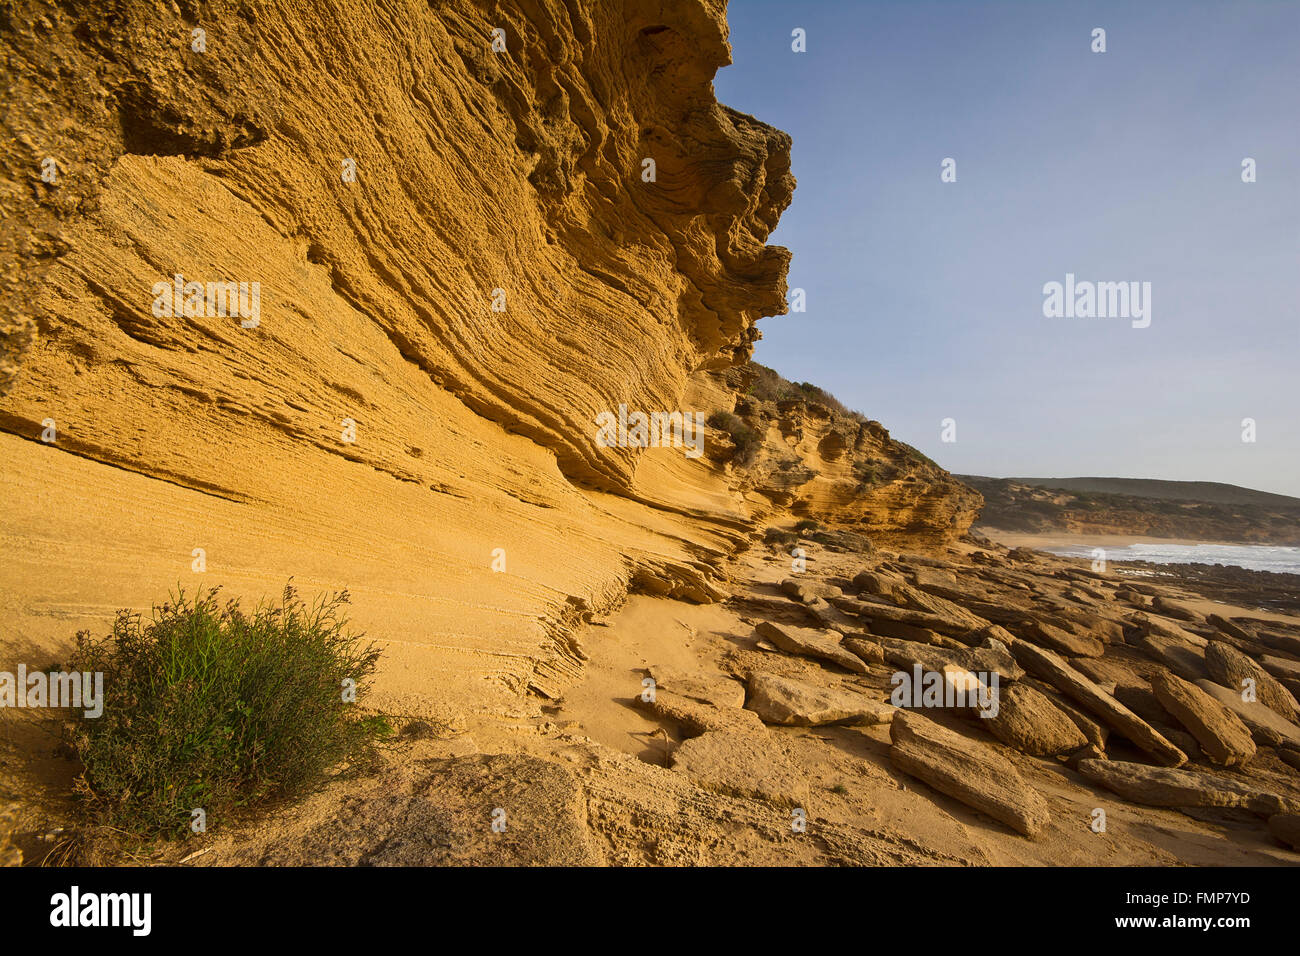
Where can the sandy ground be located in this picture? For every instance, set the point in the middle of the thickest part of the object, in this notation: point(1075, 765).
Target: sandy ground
point(588, 776)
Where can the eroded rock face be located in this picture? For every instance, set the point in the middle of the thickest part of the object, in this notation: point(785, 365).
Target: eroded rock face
point(841, 468)
point(459, 266)
point(461, 260)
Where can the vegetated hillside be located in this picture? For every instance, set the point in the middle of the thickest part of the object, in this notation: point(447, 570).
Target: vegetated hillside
point(801, 450)
point(1171, 510)
point(1212, 492)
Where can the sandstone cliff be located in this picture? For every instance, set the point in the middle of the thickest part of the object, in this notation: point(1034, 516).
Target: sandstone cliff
point(461, 260)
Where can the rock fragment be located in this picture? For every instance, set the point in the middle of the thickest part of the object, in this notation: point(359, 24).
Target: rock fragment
point(967, 771)
point(1221, 734)
point(823, 644)
point(1074, 685)
point(1167, 787)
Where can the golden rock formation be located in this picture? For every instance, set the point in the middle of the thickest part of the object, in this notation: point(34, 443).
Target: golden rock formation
point(456, 257)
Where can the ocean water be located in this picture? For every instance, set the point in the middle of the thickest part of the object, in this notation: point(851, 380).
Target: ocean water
point(1256, 557)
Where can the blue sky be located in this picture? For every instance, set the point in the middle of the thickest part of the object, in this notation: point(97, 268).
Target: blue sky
point(925, 299)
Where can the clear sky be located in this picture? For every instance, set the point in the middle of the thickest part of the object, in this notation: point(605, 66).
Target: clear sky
point(925, 299)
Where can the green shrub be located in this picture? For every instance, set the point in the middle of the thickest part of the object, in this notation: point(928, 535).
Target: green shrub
point(206, 706)
point(807, 524)
point(779, 537)
point(746, 440)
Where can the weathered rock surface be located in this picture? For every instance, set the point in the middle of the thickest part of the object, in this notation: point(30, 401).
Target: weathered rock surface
point(1180, 656)
point(993, 658)
point(1062, 641)
point(1286, 828)
point(697, 718)
point(1031, 723)
point(1070, 682)
point(814, 643)
point(1267, 727)
point(743, 766)
point(1220, 733)
point(869, 651)
point(967, 771)
point(1229, 667)
point(443, 820)
point(716, 689)
point(783, 700)
point(1167, 787)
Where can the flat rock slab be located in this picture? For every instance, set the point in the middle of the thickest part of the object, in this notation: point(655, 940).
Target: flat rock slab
point(1229, 667)
point(889, 613)
point(806, 592)
point(993, 658)
point(1030, 722)
point(1266, 726)
point(696, 718)
point(1221, 734)
point(1167, 787)
point(869, 651)
point(1174, 609)
point(742, 766)
point(1119, 718)
point(708, 688)
point(1061, 640)
point(908, 596)
point(1181, 656)
point(812, 642)
point(966, 770)
point(788, 702)
point(1281, 667)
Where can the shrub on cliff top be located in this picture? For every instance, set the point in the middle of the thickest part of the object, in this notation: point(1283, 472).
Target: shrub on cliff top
point(742, 436)
point(208, 707)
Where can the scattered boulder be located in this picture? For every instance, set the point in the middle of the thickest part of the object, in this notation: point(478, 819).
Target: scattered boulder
point(995, 631)
point(695, 718)
point(1090, 752)
point(788, 702)
point(1060, 640)
point(823, 644)
point(870, 651)
point(1266, 726)
point(874, 613)
point(877, 582)
point(806, 591)
point(1174, 609)
point(992, 659)
point(1221, 734)
point(716, 689)
point(1030, 722)
point(967, 771)
point(1180, 656)
point(1167, 787)
point(1229, 667)
point(1074, 685)
point(908, 596)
